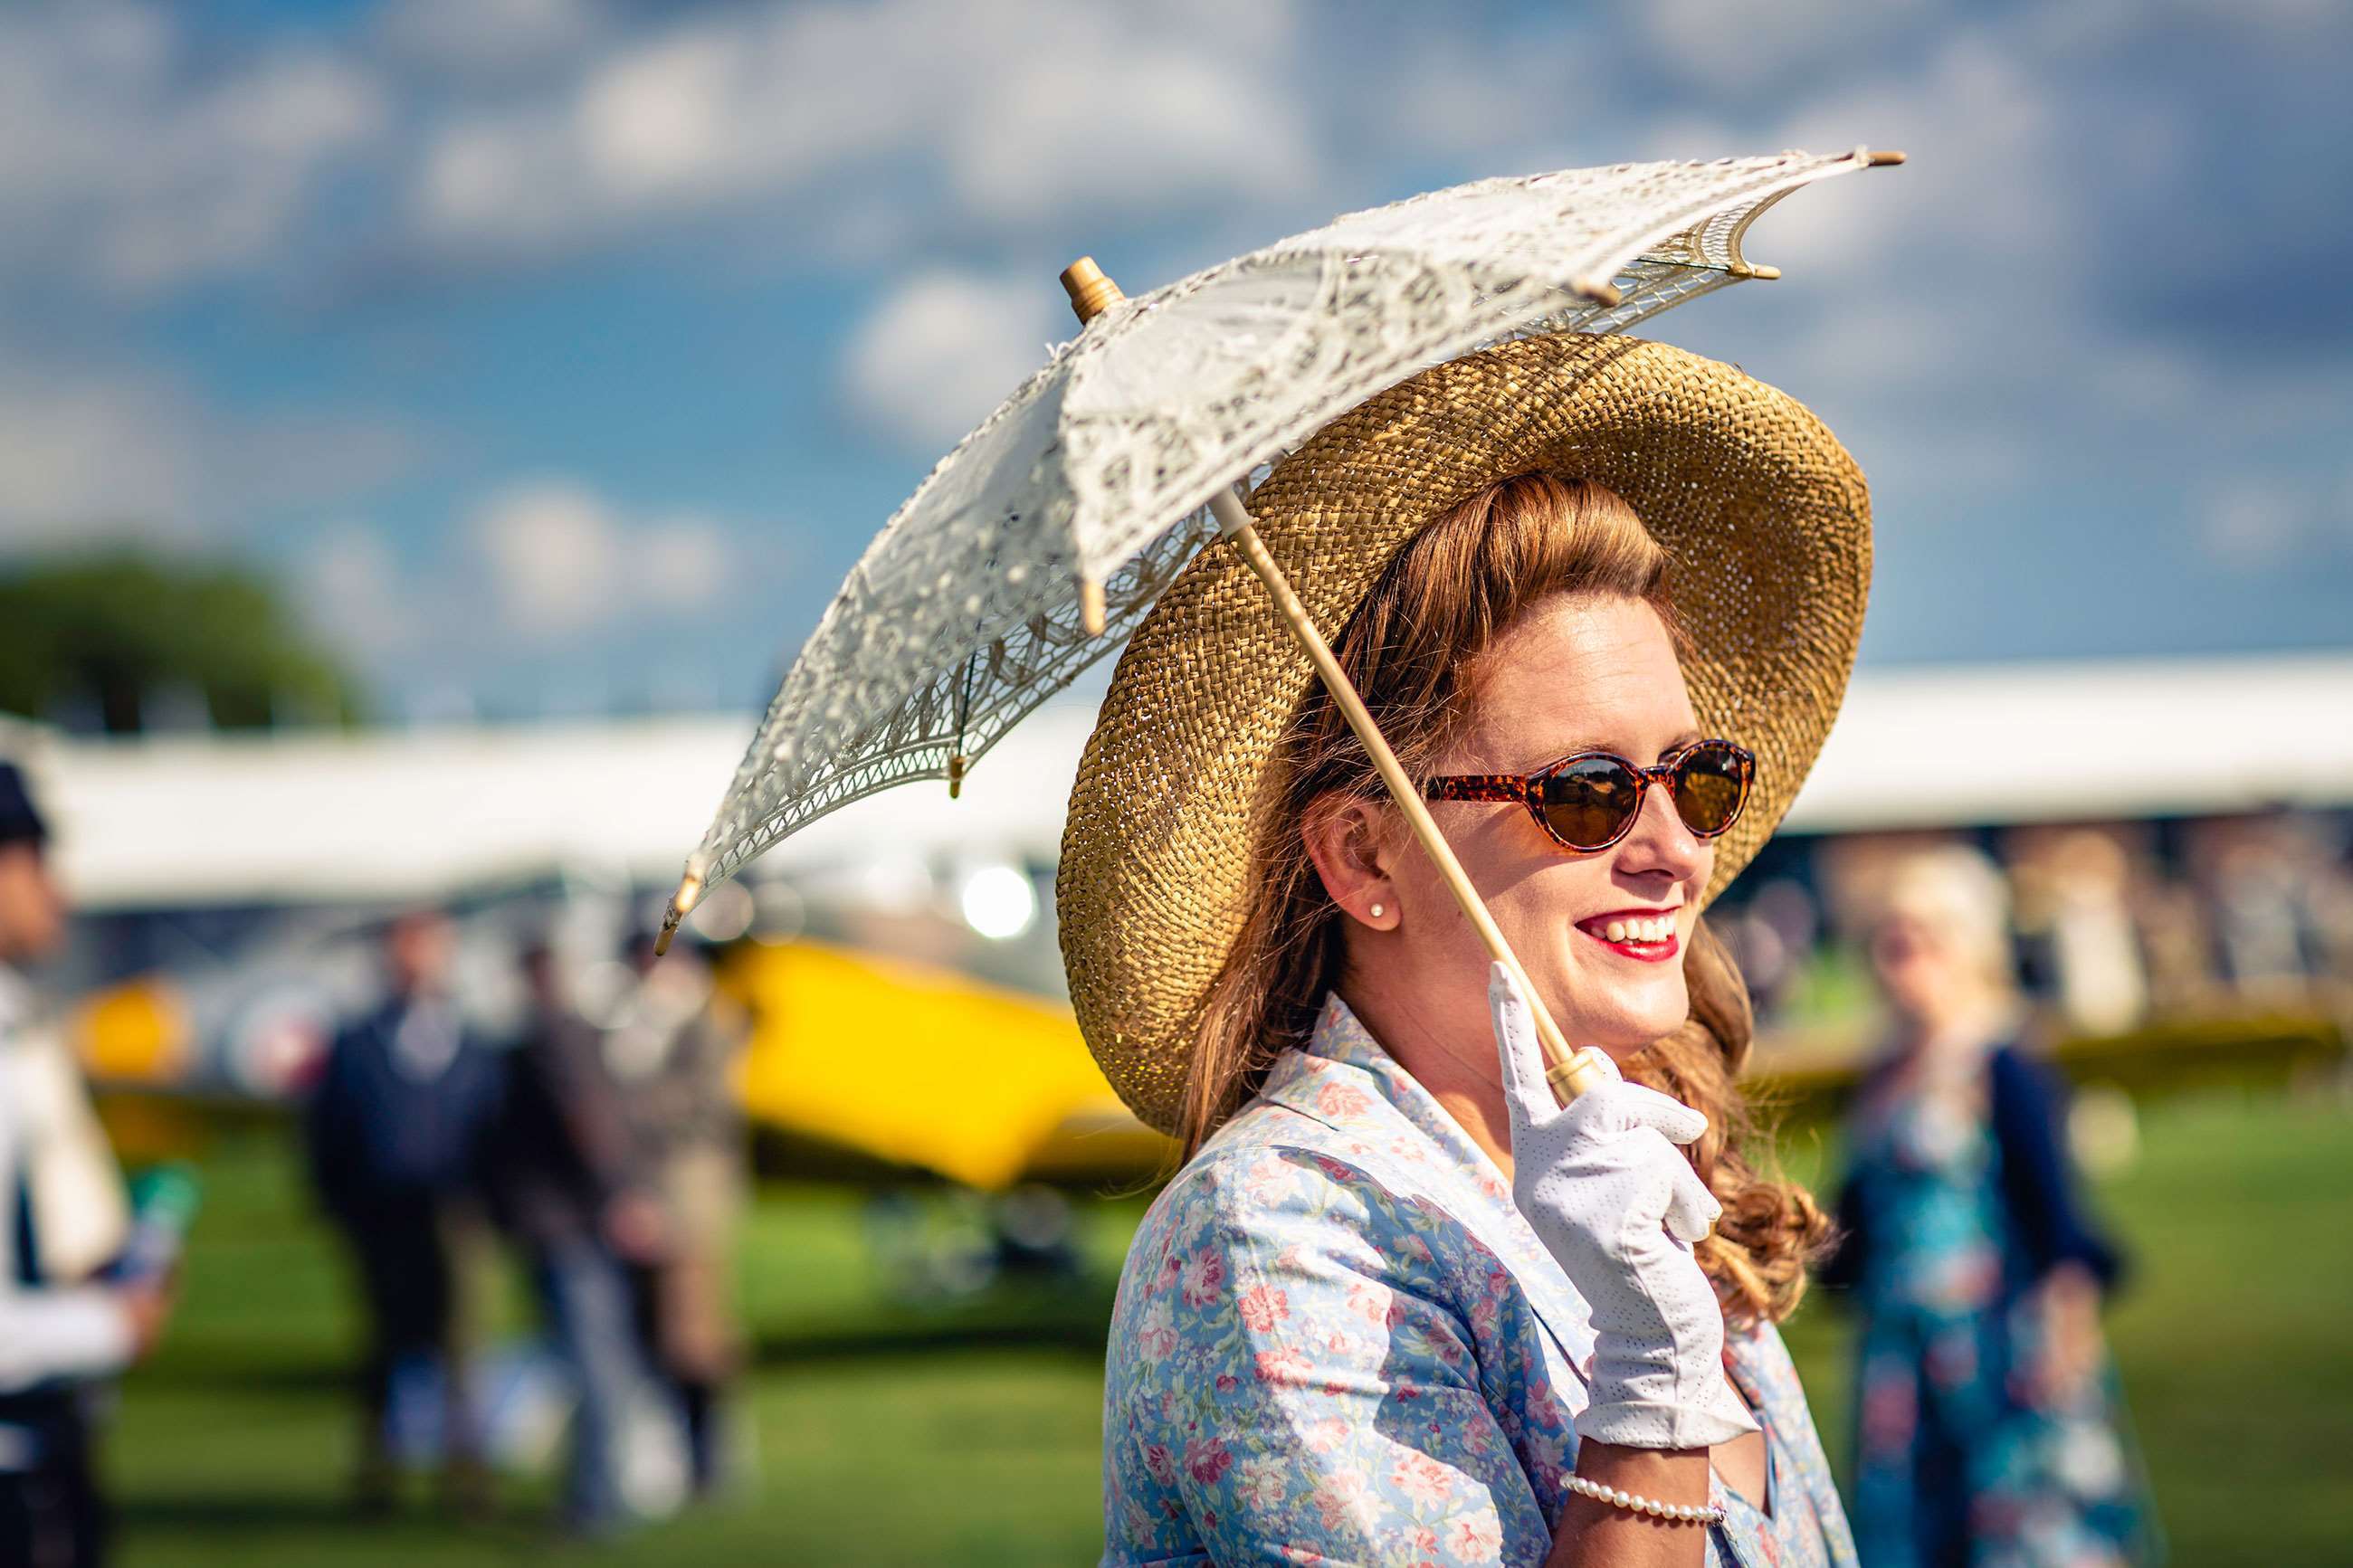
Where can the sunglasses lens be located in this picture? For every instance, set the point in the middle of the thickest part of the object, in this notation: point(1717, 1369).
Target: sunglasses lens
point(1711, 787)
point(1588, 803)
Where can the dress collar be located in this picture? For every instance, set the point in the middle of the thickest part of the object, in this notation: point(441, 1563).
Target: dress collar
point(1340, 1036)
point(1344, 1079)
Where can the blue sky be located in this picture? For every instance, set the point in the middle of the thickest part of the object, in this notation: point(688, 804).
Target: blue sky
point(561, 353)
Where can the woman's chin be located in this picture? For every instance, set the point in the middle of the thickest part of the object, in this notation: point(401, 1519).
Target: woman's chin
point(1633, 1022)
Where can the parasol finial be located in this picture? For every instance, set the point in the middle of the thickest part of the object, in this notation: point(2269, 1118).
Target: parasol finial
point(1091, 291)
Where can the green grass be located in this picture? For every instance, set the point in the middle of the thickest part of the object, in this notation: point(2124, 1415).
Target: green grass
point(895, 1434)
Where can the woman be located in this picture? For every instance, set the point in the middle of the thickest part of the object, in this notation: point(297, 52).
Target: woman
point(1397, 1307)
point(1986, 1430)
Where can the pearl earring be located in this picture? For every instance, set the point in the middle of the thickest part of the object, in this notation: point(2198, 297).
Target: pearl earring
point(1377, 911)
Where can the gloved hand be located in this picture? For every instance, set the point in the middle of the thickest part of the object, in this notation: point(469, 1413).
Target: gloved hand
point(1604, 1187)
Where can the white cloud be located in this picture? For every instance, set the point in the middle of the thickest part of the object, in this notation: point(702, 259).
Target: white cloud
point(2252, 524)
point(92, 455)
point(538, 577)
point(1983, 188)
point(563, 559)
point(128, 159)
point(105, 450)
point(2262, 522)
point(489, 37)
point(944, 349)
point(354, 589)
point(553, 551)
point(709, 110)
point(1735, 48)
point(683, 563)
point(2151, 381)
point(1101, 123)
point(1965, 285)
point(1000, 114)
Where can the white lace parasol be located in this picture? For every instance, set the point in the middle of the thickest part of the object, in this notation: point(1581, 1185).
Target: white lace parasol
point(1037, 543)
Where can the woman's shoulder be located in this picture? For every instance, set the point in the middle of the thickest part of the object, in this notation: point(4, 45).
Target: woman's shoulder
point(1271, 1161)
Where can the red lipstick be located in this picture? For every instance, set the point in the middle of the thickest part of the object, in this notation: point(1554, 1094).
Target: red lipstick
point(1646, 935)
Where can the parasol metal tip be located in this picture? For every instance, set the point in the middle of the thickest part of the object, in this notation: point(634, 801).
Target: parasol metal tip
point(1091, 291)
point(1600, 290)
point(1758, 271)
point(689, 889)
point(1090, 606)
point(1880, 157)
point(956, 765)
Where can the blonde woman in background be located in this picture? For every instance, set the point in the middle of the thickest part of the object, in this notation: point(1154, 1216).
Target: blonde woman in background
point(1986, 1430)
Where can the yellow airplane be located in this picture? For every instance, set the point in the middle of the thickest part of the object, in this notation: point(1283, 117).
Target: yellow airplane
point(924, 1066)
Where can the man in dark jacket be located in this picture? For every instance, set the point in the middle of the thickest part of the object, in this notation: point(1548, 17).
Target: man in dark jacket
point(399, 1131)
point(567, 1185)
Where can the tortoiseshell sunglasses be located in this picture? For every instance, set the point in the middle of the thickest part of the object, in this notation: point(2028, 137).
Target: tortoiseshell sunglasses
point(1590, 800)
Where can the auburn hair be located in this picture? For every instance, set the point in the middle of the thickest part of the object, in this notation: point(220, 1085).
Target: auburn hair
point(1412, 651)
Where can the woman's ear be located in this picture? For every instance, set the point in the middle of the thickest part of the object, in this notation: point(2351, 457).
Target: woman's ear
point(1346, 837)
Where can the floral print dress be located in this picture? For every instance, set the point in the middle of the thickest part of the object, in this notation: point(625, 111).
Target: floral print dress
point(1337, 1341)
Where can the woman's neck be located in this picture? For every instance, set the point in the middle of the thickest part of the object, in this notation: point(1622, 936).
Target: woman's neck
point(1469, 1088)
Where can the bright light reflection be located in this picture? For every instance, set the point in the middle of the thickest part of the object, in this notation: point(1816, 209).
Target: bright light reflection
point(1000, 902)
point(725, 912)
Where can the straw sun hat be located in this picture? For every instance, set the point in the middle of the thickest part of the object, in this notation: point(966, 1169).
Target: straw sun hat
point(1769, 524)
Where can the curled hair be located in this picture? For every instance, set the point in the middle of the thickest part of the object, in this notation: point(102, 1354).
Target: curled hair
point(1412, 651)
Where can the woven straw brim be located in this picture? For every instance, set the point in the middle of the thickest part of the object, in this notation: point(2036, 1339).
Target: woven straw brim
point(1769, 524)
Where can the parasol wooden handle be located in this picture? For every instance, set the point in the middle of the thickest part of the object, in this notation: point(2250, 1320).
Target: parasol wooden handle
point(1570, 1072)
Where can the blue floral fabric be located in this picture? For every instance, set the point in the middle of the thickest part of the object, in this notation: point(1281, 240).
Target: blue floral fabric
point(1336, 1341)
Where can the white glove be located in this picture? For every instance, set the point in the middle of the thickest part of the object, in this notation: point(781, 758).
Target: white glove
point(1606, 1190)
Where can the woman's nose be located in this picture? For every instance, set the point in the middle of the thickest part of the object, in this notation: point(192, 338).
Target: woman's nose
point(1661, 843)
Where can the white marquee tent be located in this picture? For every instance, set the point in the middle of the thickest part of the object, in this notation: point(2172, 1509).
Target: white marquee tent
point(292, 818)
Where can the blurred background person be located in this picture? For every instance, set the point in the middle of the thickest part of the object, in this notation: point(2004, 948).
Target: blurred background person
point(674, 1047)
point(565, 1181)
point(398, 1130)
point(61, 1331)
point(1988, 1430)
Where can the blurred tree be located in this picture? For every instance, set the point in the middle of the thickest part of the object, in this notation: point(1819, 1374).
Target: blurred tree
point(114, 631)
